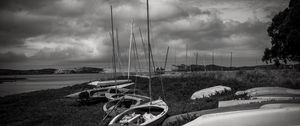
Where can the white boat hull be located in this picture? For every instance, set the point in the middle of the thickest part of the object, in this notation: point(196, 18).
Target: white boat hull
point(157, 118)
point(272, 116)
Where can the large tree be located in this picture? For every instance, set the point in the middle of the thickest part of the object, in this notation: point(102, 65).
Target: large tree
point(285, 36)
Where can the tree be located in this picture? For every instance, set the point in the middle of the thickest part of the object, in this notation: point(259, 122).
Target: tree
point(285, 35)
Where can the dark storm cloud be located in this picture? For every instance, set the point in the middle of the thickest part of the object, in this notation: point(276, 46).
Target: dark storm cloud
point(78, 30)
point(17, 26)
point(216, 33)
point(17, 5)
point(12, 57)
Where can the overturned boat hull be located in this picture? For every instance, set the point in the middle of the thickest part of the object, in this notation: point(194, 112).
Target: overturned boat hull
point(269, 115)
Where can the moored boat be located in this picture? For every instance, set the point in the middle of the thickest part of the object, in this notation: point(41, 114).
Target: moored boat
point(117, 106)
point(149, 114)
point(115, 93)
point(108, 83)
point(96, 94)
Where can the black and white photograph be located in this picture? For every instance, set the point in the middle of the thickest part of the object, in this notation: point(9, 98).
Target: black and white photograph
point(150, 62)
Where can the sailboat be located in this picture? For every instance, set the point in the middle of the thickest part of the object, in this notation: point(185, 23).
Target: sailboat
point(151, 113)
point(122, 101)
point(103, 87)
point(96, 94)
point(108, 83)
point(120, 104)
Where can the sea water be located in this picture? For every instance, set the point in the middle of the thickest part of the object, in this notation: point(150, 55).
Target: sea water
point(48, 81)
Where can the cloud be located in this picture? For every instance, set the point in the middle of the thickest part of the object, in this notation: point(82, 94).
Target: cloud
point(77, 30)
point(12, 57)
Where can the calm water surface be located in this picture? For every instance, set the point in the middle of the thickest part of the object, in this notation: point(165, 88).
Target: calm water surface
point(51, 81)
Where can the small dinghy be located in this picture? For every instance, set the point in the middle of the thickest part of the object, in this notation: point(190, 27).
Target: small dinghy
point(96, 94)
point(108, 83)
point(115, 93)
point(117, 106)
point(104, 89)
point(89, 96)
point(149, 114)
point(207, 92)
point(279, 91)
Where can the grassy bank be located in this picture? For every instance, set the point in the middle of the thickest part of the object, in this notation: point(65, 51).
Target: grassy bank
point(49, 107)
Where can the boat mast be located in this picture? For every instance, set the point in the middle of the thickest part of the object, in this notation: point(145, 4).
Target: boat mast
point(149, 52)
point(118, 52)
point(186, 55)
point(113, 42)
point(197, 58)
point(129, 52)
point(166, 59)
point(230, 61)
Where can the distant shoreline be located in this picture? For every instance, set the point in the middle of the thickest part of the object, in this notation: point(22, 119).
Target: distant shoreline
point(8, 79)
point(80, 70)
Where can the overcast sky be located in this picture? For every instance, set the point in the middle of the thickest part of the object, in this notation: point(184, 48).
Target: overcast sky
point(51, 33)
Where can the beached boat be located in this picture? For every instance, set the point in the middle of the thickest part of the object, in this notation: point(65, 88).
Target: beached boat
point(95, 94)
point(207, 92)
point(117, 106)
point(149, 114)
point(115, 93)
point(271, 93)
point(267, 115)
point(279, 91)
point(108, 83)
point(258, 91)
point(88, 96)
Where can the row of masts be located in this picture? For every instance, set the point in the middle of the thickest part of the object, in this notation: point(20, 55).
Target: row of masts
point(130, 46)
point(149, 53)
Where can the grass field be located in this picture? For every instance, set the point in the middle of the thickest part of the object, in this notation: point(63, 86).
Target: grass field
point(49, 107)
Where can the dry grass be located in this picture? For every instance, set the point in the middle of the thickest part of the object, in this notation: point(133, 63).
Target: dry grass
point(48, 107)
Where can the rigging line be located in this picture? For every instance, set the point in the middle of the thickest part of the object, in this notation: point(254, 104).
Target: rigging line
point(151, 37)
point(162, 87)
point(113, 108)
point(111, 65)
point(143, 44)
point(137, 59)
point(137, 56)
point(129, 51)
point(118, 53)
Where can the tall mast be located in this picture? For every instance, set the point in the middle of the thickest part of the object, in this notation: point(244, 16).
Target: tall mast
point(204, 62)
point(230, 60)
point(118, 51)
point(149, 51)
point(213, 58)
point(197, 58)
point(175, 56)
point(113, 42)
point(186, 55)
point(129, 52)
point(166, 59)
